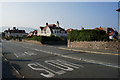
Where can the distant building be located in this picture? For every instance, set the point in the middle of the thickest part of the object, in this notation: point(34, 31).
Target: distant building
point(32, 33)
point(14, 32)
point(68, 30)
point(52, 29)
point(111, 32)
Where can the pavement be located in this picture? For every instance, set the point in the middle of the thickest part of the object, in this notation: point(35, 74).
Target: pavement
point(93, 51)
point(57, 61)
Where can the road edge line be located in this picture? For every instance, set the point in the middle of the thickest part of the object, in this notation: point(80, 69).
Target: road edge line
point(94, 52)
point(13, 67)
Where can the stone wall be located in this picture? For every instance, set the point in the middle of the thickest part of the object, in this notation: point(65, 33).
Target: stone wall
point(31, 41)
point(112, 45)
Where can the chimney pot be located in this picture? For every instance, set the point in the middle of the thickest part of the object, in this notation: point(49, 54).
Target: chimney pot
point(46, 24)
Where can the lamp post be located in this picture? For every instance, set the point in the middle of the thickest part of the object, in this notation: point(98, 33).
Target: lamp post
point(118, 21)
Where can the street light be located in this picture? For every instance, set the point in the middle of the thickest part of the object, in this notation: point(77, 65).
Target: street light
point(118, 22)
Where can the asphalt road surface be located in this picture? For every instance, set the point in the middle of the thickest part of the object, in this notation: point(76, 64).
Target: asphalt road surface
point(0, 60)
point(44, 61)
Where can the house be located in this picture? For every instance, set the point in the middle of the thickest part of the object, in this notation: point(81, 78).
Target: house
point(14, 32)
point(111, 32)
point(68, 30)
point(52, 29)
point(32, 33)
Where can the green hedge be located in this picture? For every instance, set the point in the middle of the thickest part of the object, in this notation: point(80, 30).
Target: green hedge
point(88, 35)
point(3, 35)
point(44, 39)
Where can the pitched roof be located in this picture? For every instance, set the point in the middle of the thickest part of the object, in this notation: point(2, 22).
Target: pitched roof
point(15, 31)
point(52, 26)
point(98, 28)
point(111, 33)
point(41, 28)
point(70, 29)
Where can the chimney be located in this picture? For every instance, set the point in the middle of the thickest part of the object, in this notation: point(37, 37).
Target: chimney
point(57, 24)
point(8, 29)
point(114, 29)
point(14, 28)
point(46, 24)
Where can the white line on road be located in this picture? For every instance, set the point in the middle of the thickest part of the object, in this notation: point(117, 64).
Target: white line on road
point(13, 67)
point(76, 58)
point(16, 55)
point(80, 59)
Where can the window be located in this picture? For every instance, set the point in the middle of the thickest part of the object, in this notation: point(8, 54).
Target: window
point(110, 31)
point(45, 31)
point(60, 31)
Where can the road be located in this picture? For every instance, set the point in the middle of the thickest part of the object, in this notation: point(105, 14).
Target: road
point(44, 61)
point(0, 60)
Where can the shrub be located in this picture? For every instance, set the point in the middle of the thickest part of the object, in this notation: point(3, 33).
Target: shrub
point(3, 35)
point(44, 39)
point(24, 37)
point(14, 38)
point(87, 35)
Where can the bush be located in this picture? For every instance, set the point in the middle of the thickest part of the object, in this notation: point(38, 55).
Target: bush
point(24, 37)
point(44, 39)
point(14, 38)
point(3, 35)
point(88, 35)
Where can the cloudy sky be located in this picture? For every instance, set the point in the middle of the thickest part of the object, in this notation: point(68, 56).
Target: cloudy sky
point(69, 14)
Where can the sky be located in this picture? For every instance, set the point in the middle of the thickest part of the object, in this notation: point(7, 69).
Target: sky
point(69, 14)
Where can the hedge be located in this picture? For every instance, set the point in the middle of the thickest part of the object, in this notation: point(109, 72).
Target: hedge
point(44, 39)
point(88, 35)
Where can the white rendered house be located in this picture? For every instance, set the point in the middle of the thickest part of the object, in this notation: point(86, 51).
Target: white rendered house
point(52, 29)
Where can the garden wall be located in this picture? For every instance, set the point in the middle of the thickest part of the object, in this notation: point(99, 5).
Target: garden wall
point(31, 41)
point(112, 45)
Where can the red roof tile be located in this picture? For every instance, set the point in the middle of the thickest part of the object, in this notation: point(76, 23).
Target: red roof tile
point(111, 33)
point(70, 29)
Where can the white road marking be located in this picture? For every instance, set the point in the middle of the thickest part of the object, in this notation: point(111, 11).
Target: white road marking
point(13, 68)
point(69, 64)
point(51, 73)
point(80, 59)
point(77, 58)
point(16, 55)
point(57, 72)
point(54, 63)
point(21, 54)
